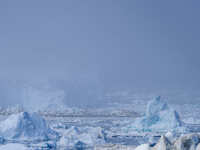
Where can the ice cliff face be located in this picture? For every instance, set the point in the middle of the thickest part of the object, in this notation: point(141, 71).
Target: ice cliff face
point(158, 117)
point(25, 126)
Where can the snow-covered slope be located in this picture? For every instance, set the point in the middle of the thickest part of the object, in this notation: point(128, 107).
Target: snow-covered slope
point(25, 126)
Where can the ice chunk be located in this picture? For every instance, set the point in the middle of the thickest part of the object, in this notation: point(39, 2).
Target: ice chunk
point(155, 106)
point(163, 144)
point(187, 142)
point(26, 126)
point(158, 111)
point(184, 142)
point(158, 117)
point(170, 136)
point(83, 136)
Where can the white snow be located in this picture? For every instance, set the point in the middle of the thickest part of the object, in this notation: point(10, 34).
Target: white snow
point(13, 146)
point(25, 126)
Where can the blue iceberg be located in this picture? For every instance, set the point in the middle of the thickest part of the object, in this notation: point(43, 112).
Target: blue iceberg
point(159, 117)
point(26, 126)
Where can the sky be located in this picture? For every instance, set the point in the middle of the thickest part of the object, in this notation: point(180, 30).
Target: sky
point(131, 44)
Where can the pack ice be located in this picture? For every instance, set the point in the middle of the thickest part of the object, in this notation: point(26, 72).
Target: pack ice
point(82, 137)
point(26, 126)
point(159, 117)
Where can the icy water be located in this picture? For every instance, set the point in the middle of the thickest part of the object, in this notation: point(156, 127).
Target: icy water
point(61, 124)
point(110, 125)
point(85, 131)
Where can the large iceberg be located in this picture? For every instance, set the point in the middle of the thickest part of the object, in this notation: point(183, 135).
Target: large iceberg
point(25, 126)
point(159, 117)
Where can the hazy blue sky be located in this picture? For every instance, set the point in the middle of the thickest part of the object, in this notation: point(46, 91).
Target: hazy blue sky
point(127, 43)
